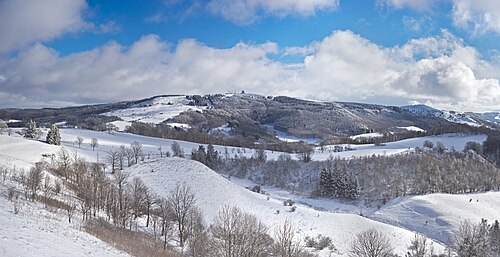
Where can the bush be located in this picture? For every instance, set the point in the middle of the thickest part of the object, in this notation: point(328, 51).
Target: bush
point(288, 202)
point(319, 242)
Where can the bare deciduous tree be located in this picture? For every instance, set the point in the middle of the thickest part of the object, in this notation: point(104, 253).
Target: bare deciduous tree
point(136, 150)
point(113, 159)
point(177, 150)
point(79, 141)
point(418, 247)
point(286, 245)
point(181, 201)
point(236, 233)
point(3, 126)
point(94, 143)
point(138, 194)
point(198, 238)
point(371, 243)
point(34, 180)
point(472, 239)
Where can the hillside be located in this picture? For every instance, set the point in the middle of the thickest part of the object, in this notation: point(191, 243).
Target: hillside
point(255, 118)
point(213, 192)
point(399, 219)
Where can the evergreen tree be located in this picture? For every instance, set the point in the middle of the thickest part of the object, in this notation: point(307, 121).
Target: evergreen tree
point(212, 157)
point(325, 183)
point(31, 131)
point(53, 136)
point(495, 238)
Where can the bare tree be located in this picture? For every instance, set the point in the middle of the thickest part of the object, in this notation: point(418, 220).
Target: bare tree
point(94, 143)
point(120, 181)
point(136, 150)
point(418, 247)
point(79, 141)
point(236, 233)
point(3, 126)
point(285, 243)
point(138, 194)
point(198, 238)
point(128, 154)
point(181, 201)
point(177, 150)
point(34, 180)
point(471, 240)
point(371, 243)
point(165, 213)
point(113, 159)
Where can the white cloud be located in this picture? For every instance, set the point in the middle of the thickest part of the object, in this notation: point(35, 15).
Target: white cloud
point(440, 70)
point(419, 5)
point(148, 67)
point(28, 21)
point(110, 27)
point(478, 16)
point(245, 12)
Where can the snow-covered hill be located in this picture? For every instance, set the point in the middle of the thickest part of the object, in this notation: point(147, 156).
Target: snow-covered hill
point(437, 215)
point(399, 219)
point(155, 110)
point(35, 231)
point(213, 192)
point(451, 116)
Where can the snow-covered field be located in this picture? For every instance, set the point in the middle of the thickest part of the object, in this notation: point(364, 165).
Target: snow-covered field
point(437, 215)
point(155, 110)
point(433, 215)
point(213, 192)
point(35, 231)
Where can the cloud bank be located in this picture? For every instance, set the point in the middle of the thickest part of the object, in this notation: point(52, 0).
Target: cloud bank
point(28, 21)
point(438, 70)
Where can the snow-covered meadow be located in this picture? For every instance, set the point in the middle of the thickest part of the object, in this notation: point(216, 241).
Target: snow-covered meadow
point(435, 216)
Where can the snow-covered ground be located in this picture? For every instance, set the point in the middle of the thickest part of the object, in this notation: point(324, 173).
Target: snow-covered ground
point(433, 215)
point(285, 137)
point(213, 192)
point(35, 231)
point(413, 128)
point(108, 141)
point(437, 215)
point(451, 141)
point(366, 135)
point(155, 110)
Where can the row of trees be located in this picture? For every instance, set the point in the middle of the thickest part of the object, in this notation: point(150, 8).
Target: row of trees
point(373, 177)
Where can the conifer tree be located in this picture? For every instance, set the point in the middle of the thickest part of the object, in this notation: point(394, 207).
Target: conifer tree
point(325, 183)
point(53, 136)
point(31, 131)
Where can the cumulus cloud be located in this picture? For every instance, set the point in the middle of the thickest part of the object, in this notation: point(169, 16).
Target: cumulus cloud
point(479, 16)
point(148, 67)
point(439, 70)
point(28, 21)
point(245, 12)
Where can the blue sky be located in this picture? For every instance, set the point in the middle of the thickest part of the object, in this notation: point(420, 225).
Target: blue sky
point(443, 53)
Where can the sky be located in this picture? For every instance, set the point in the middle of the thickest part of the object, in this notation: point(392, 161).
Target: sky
point(443, 53)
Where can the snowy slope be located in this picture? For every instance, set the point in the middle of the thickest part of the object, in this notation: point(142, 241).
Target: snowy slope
point(21, 152)
point(437, 215)
point(451, 116)
point(456, 141)
point(155, 110)
point(213, 191)
point(34, 231)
